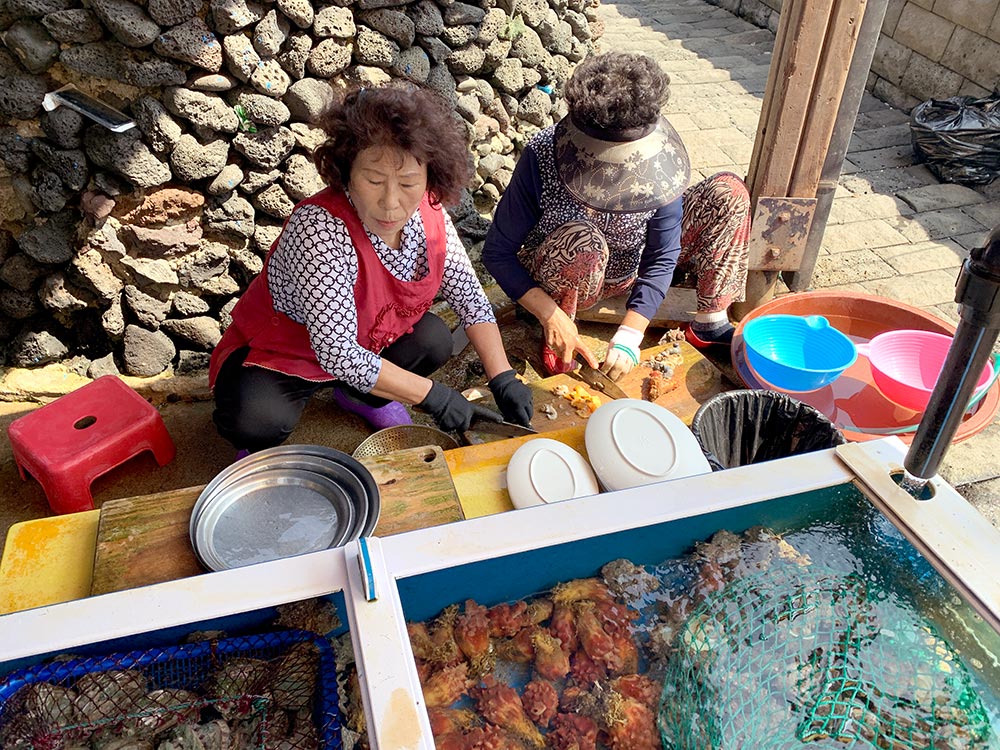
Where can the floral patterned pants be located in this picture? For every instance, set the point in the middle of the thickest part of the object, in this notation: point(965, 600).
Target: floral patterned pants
point(715, 231)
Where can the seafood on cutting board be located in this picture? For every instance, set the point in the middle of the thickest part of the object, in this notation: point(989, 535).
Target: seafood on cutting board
point(583, 401)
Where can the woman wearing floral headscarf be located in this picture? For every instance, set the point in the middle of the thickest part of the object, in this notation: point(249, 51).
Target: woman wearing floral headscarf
point(597, 207)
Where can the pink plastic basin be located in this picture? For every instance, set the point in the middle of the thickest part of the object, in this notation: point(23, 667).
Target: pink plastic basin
point(906, 365)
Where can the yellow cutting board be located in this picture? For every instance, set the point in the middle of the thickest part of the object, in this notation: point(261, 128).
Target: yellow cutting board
point(479, 472)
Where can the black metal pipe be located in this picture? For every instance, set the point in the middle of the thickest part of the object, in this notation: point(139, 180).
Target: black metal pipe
point(840, 141)
point(978, 294)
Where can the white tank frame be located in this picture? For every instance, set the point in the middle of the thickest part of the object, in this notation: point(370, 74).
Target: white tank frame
point(953, 536)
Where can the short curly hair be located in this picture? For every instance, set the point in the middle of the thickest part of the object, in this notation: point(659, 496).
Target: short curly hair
point(617, 91)
point(411, 118)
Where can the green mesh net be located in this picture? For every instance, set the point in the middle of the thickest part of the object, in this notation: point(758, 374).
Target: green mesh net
point(799, 656)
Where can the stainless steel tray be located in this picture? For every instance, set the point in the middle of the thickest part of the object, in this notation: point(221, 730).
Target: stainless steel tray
point(272, 514)
point(326, 461)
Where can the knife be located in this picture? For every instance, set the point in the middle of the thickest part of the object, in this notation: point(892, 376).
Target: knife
point(506, 429)
point(599, 381)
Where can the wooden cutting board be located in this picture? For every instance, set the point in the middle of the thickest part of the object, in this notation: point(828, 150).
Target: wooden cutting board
point(694, 382)
point(479, 471)
point(144, 540)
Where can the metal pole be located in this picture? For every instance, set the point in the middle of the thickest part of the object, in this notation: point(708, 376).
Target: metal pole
point(847, 114)
point(978, 294)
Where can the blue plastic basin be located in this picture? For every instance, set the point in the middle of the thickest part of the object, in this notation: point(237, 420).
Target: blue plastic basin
point(797, 353)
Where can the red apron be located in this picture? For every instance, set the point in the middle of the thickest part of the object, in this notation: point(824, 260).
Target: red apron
point(387, 308)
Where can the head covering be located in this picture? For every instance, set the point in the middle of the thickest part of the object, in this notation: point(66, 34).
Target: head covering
point(641, 169)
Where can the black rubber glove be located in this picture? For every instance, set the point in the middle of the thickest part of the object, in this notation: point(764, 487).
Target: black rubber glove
point(513, 398)
point(452, 411)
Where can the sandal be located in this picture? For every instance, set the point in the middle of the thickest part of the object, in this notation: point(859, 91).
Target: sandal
point(393, 414)
point(718, 347)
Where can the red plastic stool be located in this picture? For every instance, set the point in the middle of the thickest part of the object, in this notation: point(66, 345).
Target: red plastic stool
point(67, 444)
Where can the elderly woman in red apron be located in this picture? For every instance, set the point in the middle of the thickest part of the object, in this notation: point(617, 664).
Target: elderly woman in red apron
point(598, 206)
point(343, 299)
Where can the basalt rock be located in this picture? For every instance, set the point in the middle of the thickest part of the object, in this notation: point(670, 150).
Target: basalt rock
point(132, 247)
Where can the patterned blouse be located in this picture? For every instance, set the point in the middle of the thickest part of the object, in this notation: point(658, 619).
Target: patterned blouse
point(311, 277)
point(642, 245)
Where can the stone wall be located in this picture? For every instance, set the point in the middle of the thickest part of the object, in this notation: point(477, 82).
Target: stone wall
point(928, 49)
point(127, 251)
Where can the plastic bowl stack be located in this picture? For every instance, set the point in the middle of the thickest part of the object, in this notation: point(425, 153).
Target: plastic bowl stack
point(281, 502)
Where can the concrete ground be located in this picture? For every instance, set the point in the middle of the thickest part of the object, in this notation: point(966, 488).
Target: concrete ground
point(894, 231)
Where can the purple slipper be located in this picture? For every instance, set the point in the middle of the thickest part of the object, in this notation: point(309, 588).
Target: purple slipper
point(393, 414)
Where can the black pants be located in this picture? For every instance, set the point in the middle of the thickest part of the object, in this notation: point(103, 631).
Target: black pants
point(256, 408)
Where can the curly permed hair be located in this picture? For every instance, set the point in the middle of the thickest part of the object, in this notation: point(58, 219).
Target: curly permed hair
point(617, 91)
point(411, 118)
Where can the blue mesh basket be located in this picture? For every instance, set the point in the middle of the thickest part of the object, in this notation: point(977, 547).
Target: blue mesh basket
point(262, 685)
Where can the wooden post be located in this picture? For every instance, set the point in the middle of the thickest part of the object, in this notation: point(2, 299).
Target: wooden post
point(812, 55)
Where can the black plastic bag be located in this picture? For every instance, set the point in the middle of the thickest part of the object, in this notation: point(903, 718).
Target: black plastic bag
point(959, 138)
point(738, 428)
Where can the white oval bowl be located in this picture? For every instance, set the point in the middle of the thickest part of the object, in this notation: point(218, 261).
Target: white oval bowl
point(632, 442)
point(546, 471)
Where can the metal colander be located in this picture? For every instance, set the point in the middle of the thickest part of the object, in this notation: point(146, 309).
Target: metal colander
point(401, 437)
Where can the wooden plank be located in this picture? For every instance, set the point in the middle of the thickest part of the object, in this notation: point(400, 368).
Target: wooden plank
point(779, 232)
point(416, 490)
point(479, 471)
point(696, 380)
point(796, 80)
point(679, 306)
point(831, 78)
point(763, 144)
point(144, 540)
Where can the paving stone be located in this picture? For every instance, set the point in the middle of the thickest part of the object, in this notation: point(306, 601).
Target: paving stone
point(947, 312)
point(850, 267)
point(842, 192)
point(865, 207)
point(932, 197)
point(920, 290)
point(889, 181)
point(859, 143)
point(680, 66)
point(973, 460)
point(932, 225)
point(888, 136)
point(924, 256)
point(987, 214)
point(683, 122)
point(708, 156)
point(746, 122)
point(972, 240)
point(881, 117)
point(884, 158)
point(699, 75)
point(854, 236)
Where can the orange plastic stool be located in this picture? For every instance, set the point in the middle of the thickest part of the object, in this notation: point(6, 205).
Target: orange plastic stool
point(67, 444)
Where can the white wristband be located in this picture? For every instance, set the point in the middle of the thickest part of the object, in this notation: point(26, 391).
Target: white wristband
point(628, 337)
